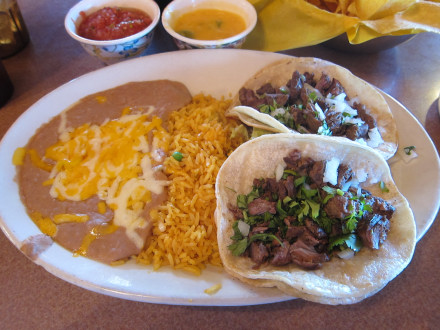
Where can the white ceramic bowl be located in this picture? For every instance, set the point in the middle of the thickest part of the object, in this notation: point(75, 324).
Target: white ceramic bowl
point(178, 7)
point(112, 51)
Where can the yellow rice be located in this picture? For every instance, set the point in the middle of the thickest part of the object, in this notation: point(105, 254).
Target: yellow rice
point(184, 232)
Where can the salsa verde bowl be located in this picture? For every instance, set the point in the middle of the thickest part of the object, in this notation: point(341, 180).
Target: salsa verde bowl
point(112, 51)
point(177, 8)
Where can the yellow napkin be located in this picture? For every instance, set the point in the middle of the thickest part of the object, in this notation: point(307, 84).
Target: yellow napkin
point(285, 24)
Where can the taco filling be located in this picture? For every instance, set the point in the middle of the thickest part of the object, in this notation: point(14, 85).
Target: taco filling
point(321, 106)
point(310, 212)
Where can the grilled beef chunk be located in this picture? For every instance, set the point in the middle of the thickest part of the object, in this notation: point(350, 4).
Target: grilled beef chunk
point(382, 207)
point(309, 78)
point(261, 228)
point(345, 174)
point(278, 99)
point(260, 206)
point(266, 89)
point(316, 173)
point(313, 123)
point(295, 85)
point(281, 255)
point(236, 212)
point(300, 164)
point(298, 116)
point(281, 99)
point(306, 256)
point(290, 186)
point(304, 242)
point(310, 94)
point(249, 98)
point(334, 123)
point(374, 232)
point(338, 207)
point(300, 98)
point(323, 83)
point(335, 88)
point(317, 231)
point(266, 94)
point(294, 232)
point(258, 252)
point(366, 117)
point(354, 132)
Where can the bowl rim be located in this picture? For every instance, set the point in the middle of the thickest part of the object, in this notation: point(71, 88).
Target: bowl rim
point(68, 20)
point(252, 19)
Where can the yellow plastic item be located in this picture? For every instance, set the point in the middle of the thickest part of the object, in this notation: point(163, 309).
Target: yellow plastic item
point(286, 24)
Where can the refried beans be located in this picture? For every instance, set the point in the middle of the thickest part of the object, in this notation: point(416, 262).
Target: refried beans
point(97, 237)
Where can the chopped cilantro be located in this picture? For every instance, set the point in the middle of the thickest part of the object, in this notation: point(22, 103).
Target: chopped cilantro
point(242, 201)
point(324, 222)
point(337, 241)
point(315, 207)
point(280, 210)
point(238, 247)
point(349, 240)
point(351, 223)
point(313, 96)
point(286, 173)
point(329, 190)
point(264, 237)
point(383, 187)
point(409, 149)
point(265, 109)
point(237, 233)
point(299, 181)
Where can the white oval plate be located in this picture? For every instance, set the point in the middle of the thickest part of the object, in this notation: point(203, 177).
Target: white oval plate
point(219, 73)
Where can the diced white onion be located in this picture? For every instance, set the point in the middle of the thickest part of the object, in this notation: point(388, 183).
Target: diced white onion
point(345, 254)
point(321, 115)
point(341, 97)
point(354, 121)
point(347, 185)
point(279, 170)
point(361, 175)
point(405, 157)
point(331, 171)
point(243, 227)
point(278, 111)
point(340, 105)
point(374, 138)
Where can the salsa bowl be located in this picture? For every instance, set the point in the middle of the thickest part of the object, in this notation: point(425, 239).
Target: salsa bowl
point(112, 51)
point(177, 8)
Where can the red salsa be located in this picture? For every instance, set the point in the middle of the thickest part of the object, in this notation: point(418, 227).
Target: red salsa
point(112, 23)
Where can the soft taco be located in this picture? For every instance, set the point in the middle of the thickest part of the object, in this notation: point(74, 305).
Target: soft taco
point(310, 95)
point(318, 217)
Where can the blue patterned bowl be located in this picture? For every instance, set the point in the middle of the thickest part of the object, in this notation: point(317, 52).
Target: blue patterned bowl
point(112, 51)
point(179, 7)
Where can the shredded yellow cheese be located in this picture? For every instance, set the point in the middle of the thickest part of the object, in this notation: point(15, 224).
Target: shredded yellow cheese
point(18, 156)
point(213, 289)
point(65, 217)
point(112, 161)
point(45, 224)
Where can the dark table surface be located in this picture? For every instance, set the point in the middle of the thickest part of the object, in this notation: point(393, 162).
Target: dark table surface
point(33, 298)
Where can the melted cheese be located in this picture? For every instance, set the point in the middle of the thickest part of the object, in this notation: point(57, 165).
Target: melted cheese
point(111, 161)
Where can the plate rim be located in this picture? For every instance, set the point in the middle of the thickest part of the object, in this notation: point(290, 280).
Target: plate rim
point(90, 285)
